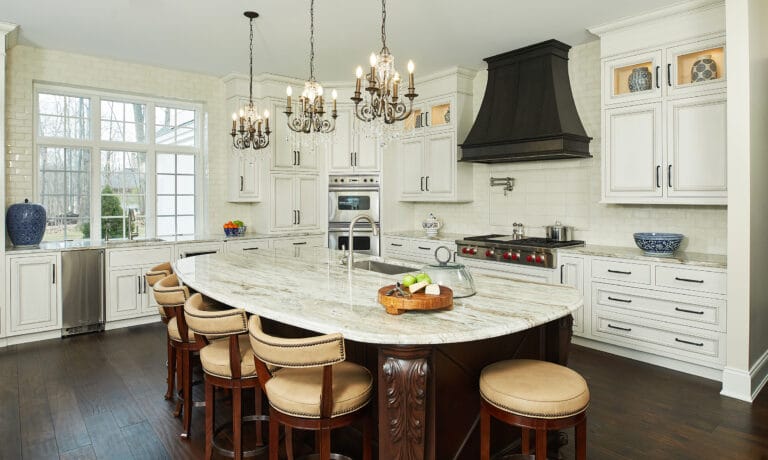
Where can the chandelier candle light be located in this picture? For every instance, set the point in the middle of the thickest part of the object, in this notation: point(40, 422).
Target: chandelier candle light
point(252, 131)
point(310, 114)
point(383, 85)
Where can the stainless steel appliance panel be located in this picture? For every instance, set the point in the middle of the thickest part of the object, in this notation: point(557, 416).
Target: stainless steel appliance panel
point(82, 274)
point(365, 241)
point(344, 205)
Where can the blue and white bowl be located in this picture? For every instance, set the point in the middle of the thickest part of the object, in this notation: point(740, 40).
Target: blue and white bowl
point(658, 244)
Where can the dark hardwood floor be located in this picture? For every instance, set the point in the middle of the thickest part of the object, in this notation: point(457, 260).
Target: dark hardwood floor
point(100, 396)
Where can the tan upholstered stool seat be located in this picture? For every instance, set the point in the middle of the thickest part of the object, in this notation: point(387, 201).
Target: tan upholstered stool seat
point(296, 391)
point(215, 358)
point(173, 331)
point(534, 388)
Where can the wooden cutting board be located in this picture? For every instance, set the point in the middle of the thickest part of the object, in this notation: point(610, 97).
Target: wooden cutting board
point(396, 305)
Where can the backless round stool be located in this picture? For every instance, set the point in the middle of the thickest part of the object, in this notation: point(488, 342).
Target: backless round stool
point(533, 395)
point(154, 275)
point(227, 363)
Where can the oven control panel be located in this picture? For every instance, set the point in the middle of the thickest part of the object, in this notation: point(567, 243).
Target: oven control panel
point(353, 180)
point(524, 256)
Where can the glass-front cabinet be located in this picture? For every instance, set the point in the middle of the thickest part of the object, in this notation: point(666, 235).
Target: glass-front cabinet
point(428, 115)
point(633, 78)
point(696, 66)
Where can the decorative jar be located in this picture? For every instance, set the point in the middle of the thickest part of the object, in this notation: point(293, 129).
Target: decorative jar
point(431, 225)
point(640, 79)
point(25, 223)
point(703, 69)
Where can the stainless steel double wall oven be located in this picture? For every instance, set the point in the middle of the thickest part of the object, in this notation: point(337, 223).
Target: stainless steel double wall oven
point(349, 196)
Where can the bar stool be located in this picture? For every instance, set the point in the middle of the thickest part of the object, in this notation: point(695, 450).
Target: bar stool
point(171, 295)
point(152, 276)
point(310, 386)
point(533, 395)
point(227, 363)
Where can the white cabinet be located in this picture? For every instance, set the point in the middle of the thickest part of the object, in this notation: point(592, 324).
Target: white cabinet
point(428, 169)
point(288, 153)
point(245, 177)
point(32, 294)
point(247, 246)
point(617, 73)
point(572, 274)
point(126, 298)
point(198, 248)
point(350, 150)
point(294, 202)
point(128, 295)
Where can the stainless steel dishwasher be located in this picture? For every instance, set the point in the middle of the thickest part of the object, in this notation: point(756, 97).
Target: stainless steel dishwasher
point(82, 273)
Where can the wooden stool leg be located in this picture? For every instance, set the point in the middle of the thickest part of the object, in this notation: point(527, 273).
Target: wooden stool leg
point(581, 440)
point(325, 443)
point(171, 368)
point(289, 442)
point(525, 441)
point(177, 368)
point(274, 435)
point(237, 423)
point(186, 370)
point(210, 401)
point(541, 444)
point(485, 432)
point(367, 434)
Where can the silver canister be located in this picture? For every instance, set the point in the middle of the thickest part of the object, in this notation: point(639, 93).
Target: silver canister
point(559, 232)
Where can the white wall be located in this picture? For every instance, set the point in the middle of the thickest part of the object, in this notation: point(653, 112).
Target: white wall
point(569, 190)
point(27, 65)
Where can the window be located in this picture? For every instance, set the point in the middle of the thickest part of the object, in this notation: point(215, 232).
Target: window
point(147, 183)
point(175, 194)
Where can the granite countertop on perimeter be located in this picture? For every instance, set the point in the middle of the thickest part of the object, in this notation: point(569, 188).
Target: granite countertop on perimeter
point(419, 234)
point(697, 259)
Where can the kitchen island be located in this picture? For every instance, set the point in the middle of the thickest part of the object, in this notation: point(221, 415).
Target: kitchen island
point(426, 363)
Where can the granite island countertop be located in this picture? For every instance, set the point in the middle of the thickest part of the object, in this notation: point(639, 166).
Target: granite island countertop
point(315, 292)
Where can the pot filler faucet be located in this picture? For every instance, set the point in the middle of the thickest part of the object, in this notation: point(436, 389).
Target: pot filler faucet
point(351, 257)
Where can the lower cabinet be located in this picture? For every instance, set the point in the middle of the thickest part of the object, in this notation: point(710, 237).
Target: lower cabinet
point(572, 274)
point(247, 246)
point(128, 295)
point(198, 249)
point(32, 294)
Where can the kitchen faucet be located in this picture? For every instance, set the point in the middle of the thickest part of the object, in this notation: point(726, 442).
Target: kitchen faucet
point(351, 258)
point(132, 223)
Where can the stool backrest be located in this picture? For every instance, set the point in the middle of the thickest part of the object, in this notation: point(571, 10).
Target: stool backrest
point(158, 272)
point(169, 292)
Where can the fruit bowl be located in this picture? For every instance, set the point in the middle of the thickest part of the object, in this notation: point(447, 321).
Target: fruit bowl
point(235, 231)
point(658, 244)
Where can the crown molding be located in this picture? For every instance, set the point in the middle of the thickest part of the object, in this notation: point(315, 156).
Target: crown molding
point(686, 7)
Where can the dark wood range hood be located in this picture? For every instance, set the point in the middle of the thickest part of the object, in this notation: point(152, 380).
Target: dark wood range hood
point(528, 111)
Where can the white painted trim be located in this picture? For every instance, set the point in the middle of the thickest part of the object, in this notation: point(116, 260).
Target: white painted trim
point(673, 364)
point(36, 337)
point(119, 324)
point(736, 384)
point(759, 375)
point(678, 8)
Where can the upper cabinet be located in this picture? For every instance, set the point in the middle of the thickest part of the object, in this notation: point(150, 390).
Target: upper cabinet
point(664, 107)
point(349, 150)
point(245, 179)
point(288, 154)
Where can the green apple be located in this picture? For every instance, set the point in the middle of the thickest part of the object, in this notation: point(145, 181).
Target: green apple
point(423, 277)
point(408, 280)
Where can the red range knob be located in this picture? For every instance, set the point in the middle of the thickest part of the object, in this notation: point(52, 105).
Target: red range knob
point(464, 250)
point(539, 259)
point(515, 256)
point(488, 253)
point(473, 251)
point(529, 258)
point(507, 255)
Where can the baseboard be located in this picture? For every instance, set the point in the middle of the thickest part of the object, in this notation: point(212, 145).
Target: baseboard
point(119, 324)
point(669, 363)
point(759, 375)
point(35, 337)
point(736, 384)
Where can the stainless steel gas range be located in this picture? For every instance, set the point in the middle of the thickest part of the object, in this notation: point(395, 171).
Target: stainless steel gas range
point(506, 249)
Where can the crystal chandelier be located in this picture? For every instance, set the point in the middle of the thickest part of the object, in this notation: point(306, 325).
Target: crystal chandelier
point(310, 113)
point(253, 130)
point(383, 85)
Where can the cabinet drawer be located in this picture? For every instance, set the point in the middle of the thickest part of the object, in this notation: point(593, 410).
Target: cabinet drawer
point(621, 271)
point(691, 280)
point(677, 308)
point(140, 256)
point(647, 335)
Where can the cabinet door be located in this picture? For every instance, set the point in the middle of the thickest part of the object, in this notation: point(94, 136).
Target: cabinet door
point(696, 147)
point(147, 299)
point(696, 67)
point(412, 167)
point(283, 202)
point(306, 204)
point(125, 294)
point(284, 151)
point(245, 179)
point(33, 303)
point(306, 158)
point(633, 78)
point(440, 164)
point(340, 159)
point(366, 154)
point(572, 274)
point(633, 156)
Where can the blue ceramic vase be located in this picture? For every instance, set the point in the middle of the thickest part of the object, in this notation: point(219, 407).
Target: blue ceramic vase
point(640, 79)
point(25, 223)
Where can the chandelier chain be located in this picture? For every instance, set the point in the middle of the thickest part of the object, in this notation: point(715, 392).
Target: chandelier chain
point(250, 89)
point(384, 24)
point(312, 40)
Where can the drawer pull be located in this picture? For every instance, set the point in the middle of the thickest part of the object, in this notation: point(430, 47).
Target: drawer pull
point(619, 272)
point(620, 300)
point(688, 280)
point(396, 245)
point(299, 243)
point(625, 329)
point(689, 343)
point(423, 248)
point(250, 249)
point(689, 311)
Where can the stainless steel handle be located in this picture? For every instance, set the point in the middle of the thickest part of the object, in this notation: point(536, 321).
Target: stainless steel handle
point(241, 183)
point(689, 343)
point(619, 272)
point(426, 183)
point(657, 77)
point(658, 176)
point(422, 183)
point(53, 273)
point(669, 176)
point(669, 74)
point(561, 273)
point(102, 288)
point(615, 299)
point(625, 329)
point(689, 311)
point(688, 280)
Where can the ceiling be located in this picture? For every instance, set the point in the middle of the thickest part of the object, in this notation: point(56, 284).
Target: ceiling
point(211, 36)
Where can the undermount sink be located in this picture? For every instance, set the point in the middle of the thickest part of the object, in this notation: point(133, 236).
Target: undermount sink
point(381, 267)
